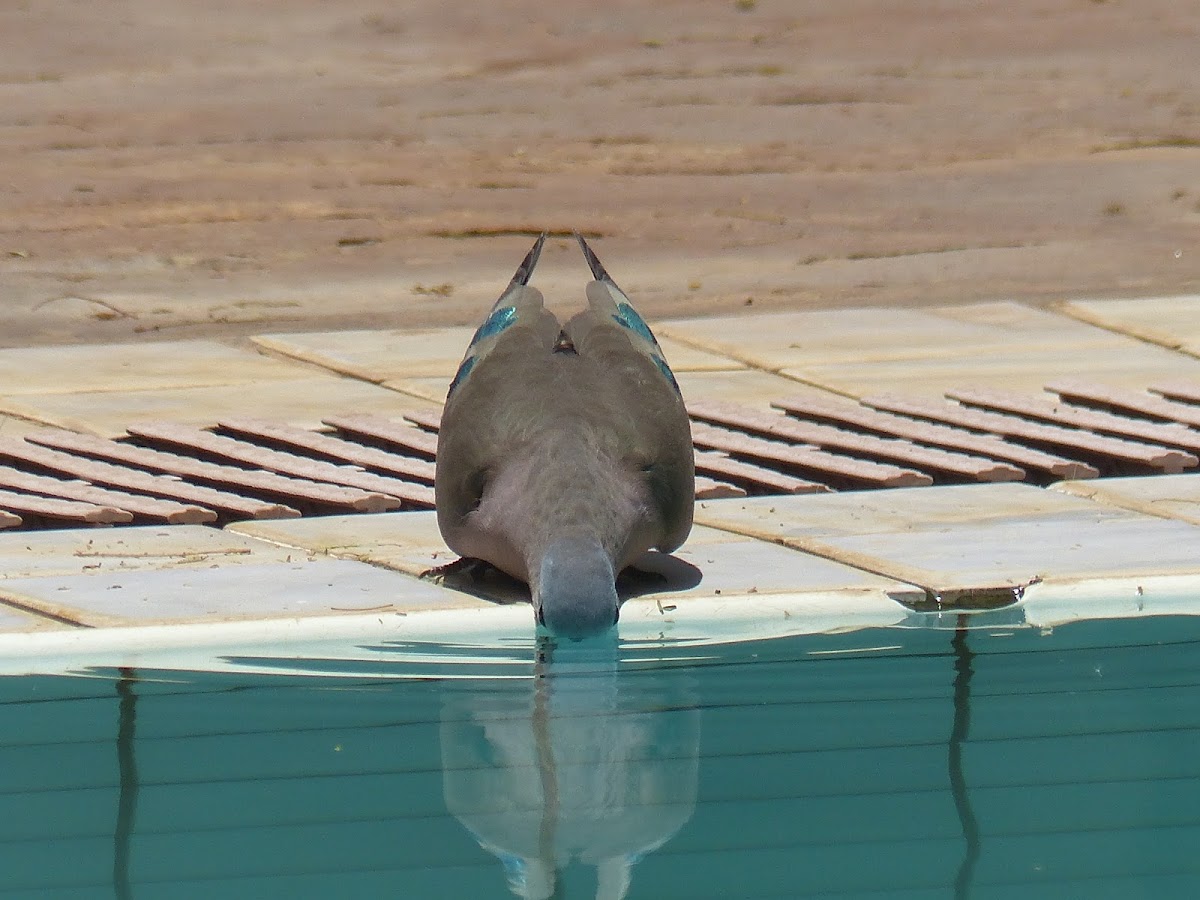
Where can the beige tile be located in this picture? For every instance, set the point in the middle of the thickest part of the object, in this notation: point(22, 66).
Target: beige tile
point(699, 374)
point(1124, 363)
point(732, 565)
point(683, 357)
point(310, 587)
point(433, 353)
point(433, 388)
point(302, 402)
point(409, 542)
point(82, 551)
point(747, 387)
point(14, 620)
point(377, 355)
point(968, 537)
point(1170, 321)
point(1171, 496)
point(134, 367)
point(820, 337)
point(894, 510)
point(926, 352)
point(10, 426)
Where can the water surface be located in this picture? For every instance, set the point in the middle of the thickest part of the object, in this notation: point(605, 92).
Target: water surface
point(900, 762)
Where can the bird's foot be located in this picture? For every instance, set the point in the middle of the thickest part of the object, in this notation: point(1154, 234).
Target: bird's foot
point(479, 578)
point(465, 566)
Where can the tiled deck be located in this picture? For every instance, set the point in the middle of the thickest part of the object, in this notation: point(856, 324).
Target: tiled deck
point(755, 566)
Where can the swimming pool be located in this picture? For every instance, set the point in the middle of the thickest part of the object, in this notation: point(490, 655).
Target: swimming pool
point(957, 757)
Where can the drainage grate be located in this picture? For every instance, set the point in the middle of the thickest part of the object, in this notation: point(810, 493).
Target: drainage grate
point(251, 469)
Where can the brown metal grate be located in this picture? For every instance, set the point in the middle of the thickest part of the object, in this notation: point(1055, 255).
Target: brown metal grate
point(247, 469)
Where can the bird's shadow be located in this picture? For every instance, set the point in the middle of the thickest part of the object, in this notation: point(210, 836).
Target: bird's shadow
point(652, 573)
point(657, 573)
point(480, 579)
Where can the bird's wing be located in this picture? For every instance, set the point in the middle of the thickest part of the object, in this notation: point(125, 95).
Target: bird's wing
point(636, 399)
point(595, 389)
point(519, 304)
point(480, 415)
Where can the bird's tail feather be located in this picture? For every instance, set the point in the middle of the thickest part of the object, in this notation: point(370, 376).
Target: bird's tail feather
point(611, 305)
point(518, 295)
point(525, 270)
point(518, 303)
point(598, 270)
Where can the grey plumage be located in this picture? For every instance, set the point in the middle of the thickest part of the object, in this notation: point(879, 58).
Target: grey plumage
point(564, 450)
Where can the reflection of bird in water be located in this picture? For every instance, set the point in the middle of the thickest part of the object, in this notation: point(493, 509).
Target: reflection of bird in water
point(586, 764)
point(564, 451)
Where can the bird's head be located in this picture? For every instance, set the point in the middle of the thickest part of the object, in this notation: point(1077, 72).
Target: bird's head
point(575, 594)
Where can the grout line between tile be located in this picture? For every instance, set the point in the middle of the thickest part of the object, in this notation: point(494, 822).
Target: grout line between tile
point(824, 551)
point(266, 346)
point(1102, 497)
point(1067, 309)
point(53, 613)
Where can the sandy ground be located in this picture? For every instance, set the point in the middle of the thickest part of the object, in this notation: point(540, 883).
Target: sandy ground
point(172, 168)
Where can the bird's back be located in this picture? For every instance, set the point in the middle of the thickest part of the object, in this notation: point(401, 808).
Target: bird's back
point(554, 427)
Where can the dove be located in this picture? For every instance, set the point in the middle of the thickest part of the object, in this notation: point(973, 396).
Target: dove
point(564, 451)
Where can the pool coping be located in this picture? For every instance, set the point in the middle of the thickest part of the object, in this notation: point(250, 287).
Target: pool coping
point(266, 646)
point(36, 627)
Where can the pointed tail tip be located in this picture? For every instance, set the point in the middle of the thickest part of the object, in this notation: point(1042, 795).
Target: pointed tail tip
point(598, 270)
point(525, 269)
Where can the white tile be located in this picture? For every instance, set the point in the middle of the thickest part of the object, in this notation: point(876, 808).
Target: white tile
point(707, 620)
point(275, 646)
point(1050, 604)
point(386, 644)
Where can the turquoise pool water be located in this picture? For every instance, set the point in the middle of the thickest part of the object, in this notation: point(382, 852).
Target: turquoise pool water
point(905, 762)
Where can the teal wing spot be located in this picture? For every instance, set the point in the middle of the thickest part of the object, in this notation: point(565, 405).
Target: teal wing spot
point(666, 370)
point(464, 369)
point(628, 317)
point(495, 323)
